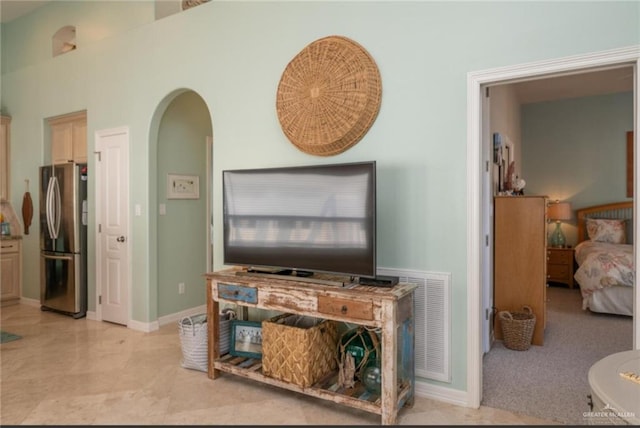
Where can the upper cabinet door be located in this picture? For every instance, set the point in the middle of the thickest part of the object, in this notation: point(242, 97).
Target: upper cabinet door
point(69, 138)
point(61, 143)
point(80, 141)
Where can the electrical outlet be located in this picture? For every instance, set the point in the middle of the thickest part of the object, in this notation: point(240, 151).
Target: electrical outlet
point(181, 288)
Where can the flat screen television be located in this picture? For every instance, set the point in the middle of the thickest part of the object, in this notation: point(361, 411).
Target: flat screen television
point(303, 219)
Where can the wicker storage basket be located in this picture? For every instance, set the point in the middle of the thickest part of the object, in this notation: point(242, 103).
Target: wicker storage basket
point(298, 349)
point(517, 328)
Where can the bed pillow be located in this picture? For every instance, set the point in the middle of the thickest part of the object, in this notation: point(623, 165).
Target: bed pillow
point(612, 231)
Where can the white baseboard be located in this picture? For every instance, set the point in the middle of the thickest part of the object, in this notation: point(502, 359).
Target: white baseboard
point(92, 315)
point(164, 320)
point(441, 393)
point(146, 327)
point(175, 317)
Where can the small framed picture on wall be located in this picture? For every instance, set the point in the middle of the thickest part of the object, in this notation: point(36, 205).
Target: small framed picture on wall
point(183, 186)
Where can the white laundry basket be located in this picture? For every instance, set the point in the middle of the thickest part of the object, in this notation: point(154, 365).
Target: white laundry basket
point(193, 338)
point(195, 342)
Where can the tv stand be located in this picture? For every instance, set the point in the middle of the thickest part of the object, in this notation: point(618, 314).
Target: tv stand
point(391, 310)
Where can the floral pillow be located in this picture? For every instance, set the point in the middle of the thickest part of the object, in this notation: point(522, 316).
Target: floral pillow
point(612, 231)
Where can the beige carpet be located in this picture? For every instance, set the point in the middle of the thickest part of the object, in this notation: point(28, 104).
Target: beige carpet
point(550, 381)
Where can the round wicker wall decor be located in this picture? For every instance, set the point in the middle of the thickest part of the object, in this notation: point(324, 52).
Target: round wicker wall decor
point(329, 96)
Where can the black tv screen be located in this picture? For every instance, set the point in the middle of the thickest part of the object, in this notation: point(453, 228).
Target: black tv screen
point(319, 218)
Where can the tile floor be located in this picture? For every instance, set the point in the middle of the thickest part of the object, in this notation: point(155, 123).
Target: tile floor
point(65, 371)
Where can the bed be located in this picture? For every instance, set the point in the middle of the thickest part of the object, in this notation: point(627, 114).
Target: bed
point(604, 254)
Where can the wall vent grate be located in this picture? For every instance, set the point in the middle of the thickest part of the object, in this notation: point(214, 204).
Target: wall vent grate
point(432, 321)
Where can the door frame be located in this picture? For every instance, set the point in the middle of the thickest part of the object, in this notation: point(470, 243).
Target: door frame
point(99, 135)
point(209, 192)
point(477, 81)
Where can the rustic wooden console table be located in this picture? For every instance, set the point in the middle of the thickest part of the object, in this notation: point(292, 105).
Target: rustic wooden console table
point(389, 309)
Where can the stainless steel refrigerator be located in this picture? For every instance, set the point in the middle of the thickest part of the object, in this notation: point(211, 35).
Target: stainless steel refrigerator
point(63, 238)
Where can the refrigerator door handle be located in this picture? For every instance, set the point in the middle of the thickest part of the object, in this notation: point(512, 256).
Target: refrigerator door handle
point(49, 208)
point(58, 206)
point(48, 256)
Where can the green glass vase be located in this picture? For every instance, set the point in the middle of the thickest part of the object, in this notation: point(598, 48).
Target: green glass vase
point(557, 237)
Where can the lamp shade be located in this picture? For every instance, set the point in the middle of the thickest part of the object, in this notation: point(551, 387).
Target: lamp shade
point(559, 211)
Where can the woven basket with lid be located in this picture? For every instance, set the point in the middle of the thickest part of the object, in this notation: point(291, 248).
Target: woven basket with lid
point(329, 96)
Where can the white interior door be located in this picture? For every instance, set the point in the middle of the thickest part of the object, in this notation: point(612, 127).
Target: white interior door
point(112, 215)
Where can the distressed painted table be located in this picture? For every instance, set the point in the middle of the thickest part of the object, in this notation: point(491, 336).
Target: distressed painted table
point(389, 309)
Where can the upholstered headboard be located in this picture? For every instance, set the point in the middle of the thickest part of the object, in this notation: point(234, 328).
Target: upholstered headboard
point(616, 210)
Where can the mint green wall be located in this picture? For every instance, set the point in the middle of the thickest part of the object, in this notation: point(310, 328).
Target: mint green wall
point(27, 40)
point(233, 53)
point(575, 150)
point(181, 232)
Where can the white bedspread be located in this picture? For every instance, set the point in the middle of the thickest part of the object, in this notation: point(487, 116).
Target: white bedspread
point(603, 265)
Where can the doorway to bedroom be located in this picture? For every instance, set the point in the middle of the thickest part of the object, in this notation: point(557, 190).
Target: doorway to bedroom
point(565, 138)
point(619, 59)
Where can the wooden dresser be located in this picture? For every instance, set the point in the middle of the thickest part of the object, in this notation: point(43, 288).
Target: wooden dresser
point(389, 309)
point(520, 259)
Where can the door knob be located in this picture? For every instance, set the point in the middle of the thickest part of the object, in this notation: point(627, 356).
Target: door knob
point(120, 239)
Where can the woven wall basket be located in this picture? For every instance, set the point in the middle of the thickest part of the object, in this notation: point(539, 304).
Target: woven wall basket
point(329, 96)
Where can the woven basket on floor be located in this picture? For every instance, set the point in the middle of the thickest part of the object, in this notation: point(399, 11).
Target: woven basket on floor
point(517, 328)
point(299, 350)
point(329, 96)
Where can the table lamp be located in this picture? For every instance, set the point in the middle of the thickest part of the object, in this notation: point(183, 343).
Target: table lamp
point(557, 212)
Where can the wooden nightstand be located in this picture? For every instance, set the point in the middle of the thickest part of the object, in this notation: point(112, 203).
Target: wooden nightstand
point(560, 265)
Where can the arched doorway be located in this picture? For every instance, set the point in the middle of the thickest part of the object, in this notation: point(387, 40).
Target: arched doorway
point(179, 206)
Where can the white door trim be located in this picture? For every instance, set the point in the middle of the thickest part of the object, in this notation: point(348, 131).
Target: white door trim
point(475, 81)
point(99, 135)
point(208, 190)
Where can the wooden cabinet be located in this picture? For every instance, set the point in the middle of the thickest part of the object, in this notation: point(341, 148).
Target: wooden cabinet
point(69, 138)
point(10, 271)
point(391, 310)
point(520, 258)
point(5, 137)
point(560, 265)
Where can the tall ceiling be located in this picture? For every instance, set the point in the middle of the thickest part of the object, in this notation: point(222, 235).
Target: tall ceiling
point(532, 91)
point(12, 9)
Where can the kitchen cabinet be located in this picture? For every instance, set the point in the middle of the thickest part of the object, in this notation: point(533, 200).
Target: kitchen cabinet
point(10, 271)
point(69, 138)
point(5, 136)
point(520, 259)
